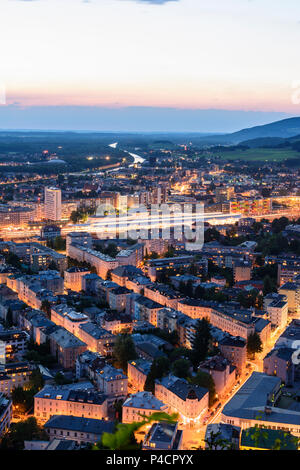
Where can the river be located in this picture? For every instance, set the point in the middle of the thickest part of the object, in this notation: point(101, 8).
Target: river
point(137, 158)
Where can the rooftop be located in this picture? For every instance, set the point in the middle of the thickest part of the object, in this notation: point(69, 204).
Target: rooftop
point(95, 331)
point(74, 392)
point(76, 423)
point(182, 388)
point(252, 401)
point(144, 400)
point(65, 339)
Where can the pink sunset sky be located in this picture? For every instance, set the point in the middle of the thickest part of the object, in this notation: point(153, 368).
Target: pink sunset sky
point(186, 54)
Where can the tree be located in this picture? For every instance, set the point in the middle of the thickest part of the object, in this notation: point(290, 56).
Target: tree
point(170, 253)
point(60, 379)
point(154, 255)
point(180, 353)
point(248, 299)
point(262, 438)
point(124, 351)
point(27, 430)
point(36, 381)
point(46, 308)
point(254, 344)
point(203, 379)
point(278, 225)
point(59, 243)
point(257, 227)
point(211, 234)
point(23, 398)
point(13, 260)
point(118, 407)
point(172, 338)
point(269, 285)
point(9, 318)
point(81, 215)
point(216, 442)
point(193, 270)
point(159, 368)
point(53, 266)
point(39, 353)
point(201, 341)
point(180, 368)
point(123, 438)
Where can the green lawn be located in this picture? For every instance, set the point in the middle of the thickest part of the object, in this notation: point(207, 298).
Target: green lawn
point(260, 154)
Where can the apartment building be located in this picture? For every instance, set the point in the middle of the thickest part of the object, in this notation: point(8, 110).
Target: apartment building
point(78, 429)
point(163, 294)
point(196, 309)
point(37, 255)
point(15, 216)
point(163, 436)
point(190, 401)
point(30, 288)
point(67, 318)
point(112, 382)
point(131, 256)
point(102, 263)
point(65, 347)
point(186, 329)
point(278, 313)
point(235, 350)
point(117, 322)
point(69, 401)
point(130, 277)
point(292, 292)
point(52, 204)
point(154, 267)
point(137, 372)
point(78, 238)
point(117, 298)
point(90, 283)
point(231, 324)
point(142, 308)
point(290, 338)
point(5, 414)
point(279, 363)
point(73, 278)
point(222, 372)
point(87, 363)
point(242, 270)
point(141, 404)
point(97, 338)
point(15, 343)
point(14, 375)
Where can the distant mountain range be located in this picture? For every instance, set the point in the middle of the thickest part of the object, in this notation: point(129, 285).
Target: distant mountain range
point(284, 129)
point(269, 135)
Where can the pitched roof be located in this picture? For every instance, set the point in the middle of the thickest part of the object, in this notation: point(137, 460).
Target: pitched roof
point(76, 423)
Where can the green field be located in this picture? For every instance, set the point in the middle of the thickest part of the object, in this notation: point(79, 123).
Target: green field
point(260, 154)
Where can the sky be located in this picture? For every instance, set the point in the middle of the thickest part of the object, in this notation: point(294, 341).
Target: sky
point(148, 65)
